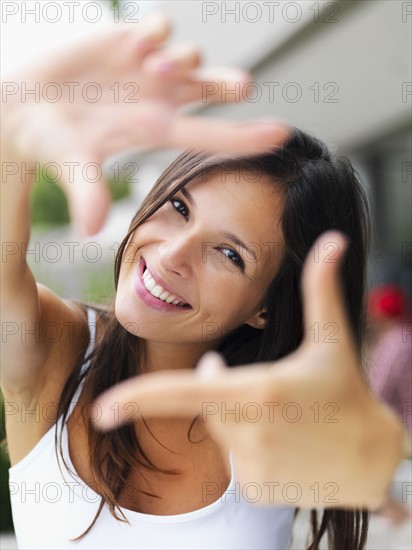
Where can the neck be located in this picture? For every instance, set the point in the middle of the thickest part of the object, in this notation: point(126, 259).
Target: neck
point(157, 356)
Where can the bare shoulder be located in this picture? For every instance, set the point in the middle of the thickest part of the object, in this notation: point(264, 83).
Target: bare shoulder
point(34, 411)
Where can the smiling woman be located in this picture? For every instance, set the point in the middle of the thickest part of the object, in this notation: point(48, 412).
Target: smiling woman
point(248, 307)
point(214, 259)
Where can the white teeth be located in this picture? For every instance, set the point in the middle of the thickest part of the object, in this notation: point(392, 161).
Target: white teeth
point(158, 291)
point(149, 284)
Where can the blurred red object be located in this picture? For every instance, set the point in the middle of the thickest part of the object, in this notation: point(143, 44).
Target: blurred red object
point(387, 302)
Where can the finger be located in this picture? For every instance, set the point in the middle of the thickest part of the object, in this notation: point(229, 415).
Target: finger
point(219, 136)
point(87, 192)
point(174, 393)
point(222, 84)
point(178, 393)
point(173, 61)
point(324, 307)
point(210, 366)
point(211, 85)
point(129, 45)
point(115, 47)
point(154, 29)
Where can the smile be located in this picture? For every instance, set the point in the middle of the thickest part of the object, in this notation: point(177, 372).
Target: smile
point(156, 293)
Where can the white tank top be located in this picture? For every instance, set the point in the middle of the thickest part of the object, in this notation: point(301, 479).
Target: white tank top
point(51, 506)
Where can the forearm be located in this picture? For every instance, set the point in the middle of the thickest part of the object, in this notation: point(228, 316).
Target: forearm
point(18, 175)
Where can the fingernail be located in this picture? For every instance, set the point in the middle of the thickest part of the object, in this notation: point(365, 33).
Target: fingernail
point(104, 422)
point(143, 45)
point(209, 365)
point(164, 67)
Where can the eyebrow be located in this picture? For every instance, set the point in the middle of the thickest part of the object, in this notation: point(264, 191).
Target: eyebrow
point(229, 236)
point(186, 194)
point(240, 243)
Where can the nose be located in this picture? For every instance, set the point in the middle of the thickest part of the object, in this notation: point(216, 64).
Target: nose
point(181, 253)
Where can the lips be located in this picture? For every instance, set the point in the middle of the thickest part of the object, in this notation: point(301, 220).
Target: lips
point(156, 292)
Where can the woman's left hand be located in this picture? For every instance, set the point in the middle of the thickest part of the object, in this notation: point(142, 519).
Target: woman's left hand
point(305, 430)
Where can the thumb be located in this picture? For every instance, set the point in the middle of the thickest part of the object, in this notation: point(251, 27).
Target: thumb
point(87, 192)
point(325, 317)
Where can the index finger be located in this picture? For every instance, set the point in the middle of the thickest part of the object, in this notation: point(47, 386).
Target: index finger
point(176, 392)
point(165, 393)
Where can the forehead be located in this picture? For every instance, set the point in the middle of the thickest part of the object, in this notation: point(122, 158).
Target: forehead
point(246, 193)
point(247, 204)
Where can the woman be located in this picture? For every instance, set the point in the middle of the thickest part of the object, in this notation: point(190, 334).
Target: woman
point(212, 261)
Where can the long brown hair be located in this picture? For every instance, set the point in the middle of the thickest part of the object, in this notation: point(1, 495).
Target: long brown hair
point(320, 193)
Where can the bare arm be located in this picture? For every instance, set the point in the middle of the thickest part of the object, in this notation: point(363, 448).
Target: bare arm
point(33, 367)
point(20, 302)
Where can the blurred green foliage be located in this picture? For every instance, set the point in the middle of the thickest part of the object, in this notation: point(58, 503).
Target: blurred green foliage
point(100, 289)
point(49, 204)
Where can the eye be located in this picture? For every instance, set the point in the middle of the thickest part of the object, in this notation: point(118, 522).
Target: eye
point(234, 257)
point(180, 207)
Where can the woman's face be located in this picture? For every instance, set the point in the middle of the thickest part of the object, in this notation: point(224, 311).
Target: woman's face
point(201, 265)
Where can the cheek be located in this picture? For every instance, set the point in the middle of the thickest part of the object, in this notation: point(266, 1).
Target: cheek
point(230, 301)
point(124, 314)
point(126, 308)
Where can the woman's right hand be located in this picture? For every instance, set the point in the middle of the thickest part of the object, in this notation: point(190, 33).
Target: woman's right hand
point(143, 85)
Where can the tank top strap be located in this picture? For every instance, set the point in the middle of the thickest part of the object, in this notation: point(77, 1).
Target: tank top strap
point(91, 321)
